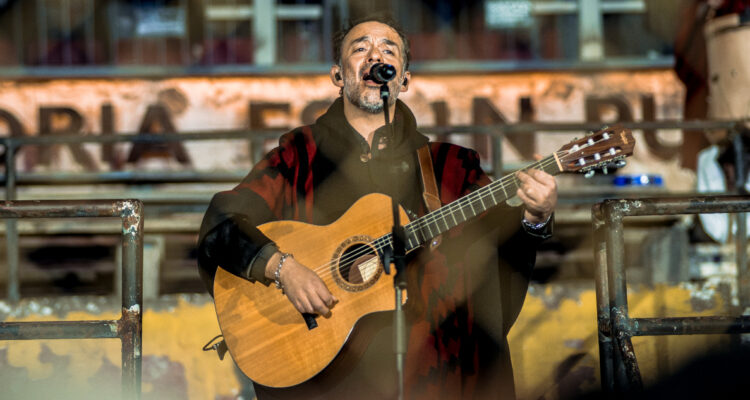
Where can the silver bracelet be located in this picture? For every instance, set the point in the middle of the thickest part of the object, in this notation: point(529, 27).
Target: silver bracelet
point(277, 274)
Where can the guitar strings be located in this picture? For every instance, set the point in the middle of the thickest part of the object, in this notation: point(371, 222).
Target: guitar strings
point(431, 217)
point(472, 198)
point(385, 240)
point(420, 223)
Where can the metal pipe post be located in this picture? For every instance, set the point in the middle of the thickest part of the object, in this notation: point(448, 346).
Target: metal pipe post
point(132, 297)
point(633, 382)
point(606, 359)
point(627, 366)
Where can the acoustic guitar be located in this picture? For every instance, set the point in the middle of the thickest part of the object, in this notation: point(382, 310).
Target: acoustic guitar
point(276, 346)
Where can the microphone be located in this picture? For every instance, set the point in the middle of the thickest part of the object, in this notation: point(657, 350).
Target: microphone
point(381, 73)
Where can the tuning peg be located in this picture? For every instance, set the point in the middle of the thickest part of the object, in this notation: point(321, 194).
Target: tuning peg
point(589, 174)
point(620, 163)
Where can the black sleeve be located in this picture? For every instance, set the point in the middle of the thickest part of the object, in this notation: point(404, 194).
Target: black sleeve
point(228, 234)
point(517, 260)
point(516, 251)
point(232, 244)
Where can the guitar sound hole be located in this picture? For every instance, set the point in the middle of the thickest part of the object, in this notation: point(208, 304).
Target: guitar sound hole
point(359, 264)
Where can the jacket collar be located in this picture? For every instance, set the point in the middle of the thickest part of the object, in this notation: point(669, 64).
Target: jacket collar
point(406, 139)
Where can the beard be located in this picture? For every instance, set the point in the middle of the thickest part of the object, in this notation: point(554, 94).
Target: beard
point(367, 99)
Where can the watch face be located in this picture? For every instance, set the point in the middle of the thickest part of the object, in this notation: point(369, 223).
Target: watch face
point(535, 226)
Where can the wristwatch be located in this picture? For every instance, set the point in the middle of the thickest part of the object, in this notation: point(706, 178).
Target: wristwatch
point(535, 227)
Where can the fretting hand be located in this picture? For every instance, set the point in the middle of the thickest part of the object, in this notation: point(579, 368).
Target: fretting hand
point(538, 191)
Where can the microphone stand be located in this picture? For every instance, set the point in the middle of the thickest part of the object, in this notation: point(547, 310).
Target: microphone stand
point(397, 255)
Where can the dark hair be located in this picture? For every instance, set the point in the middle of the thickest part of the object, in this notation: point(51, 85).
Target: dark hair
point(338, 37)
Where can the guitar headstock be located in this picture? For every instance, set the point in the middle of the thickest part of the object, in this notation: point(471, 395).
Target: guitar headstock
point(600, 149)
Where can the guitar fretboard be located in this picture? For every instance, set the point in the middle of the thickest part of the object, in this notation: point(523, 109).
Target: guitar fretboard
point(431, 225)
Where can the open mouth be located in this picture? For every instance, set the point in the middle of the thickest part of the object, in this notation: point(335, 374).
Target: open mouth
point(368, 78)
point(370, 81)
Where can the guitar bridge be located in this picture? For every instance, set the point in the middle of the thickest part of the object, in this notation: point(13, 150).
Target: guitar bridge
point(310, 320)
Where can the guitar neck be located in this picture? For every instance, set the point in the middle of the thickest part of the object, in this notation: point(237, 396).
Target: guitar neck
point(423, 229)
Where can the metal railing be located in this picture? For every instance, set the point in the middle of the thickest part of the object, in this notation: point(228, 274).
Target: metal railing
point(129, 327)
point(12, 178)
point(618, 364)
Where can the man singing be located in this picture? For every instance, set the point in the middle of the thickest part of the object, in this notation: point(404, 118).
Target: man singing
point(463, 295)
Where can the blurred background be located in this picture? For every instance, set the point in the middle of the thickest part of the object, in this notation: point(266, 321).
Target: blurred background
point(170, 101)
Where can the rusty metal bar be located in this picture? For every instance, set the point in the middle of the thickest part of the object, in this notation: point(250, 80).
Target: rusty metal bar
point(627, 375)
point(678, 205)
point(129, 327)
point(132, 296)
point(632, 372)
point(66, 208)
point(606, 350)
point(58, 330)
point(688, 326)
point(618, 326)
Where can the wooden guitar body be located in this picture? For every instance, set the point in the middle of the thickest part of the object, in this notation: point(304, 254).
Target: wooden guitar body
point(266, 336)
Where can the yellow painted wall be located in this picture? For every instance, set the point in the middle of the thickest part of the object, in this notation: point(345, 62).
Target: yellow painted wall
point(554, 347)
point(176, 333)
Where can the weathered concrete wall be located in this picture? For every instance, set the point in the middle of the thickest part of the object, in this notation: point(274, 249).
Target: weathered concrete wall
point(554, 345)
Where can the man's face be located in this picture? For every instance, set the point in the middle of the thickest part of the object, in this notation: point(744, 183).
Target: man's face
point(366, 44)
